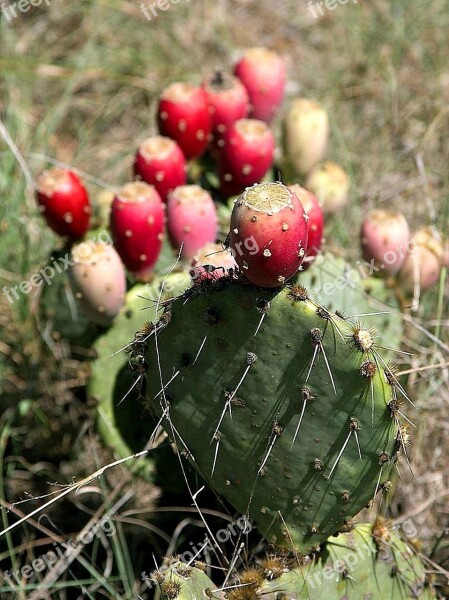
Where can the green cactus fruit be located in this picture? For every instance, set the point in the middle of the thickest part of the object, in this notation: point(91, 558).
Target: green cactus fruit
point(366, 563)
point(347, 288)
point(286, 410)
point(119, 422)
point(179, 581)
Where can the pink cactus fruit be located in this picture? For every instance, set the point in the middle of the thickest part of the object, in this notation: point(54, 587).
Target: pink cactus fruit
point(98, 281)
point(183, 116)
point(316, 221)
point(330, 184)
point(228, 102)
point(64, 202)
point(246, 155)
point(137, 225)
point(269, 233)
point(305, 135)
point(211, 262)
point(159, 161)
point(385, 239)
point(423, 265)
point(262, 72)
point(192, 219)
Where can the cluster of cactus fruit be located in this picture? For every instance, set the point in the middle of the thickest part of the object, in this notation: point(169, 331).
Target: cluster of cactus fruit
point(267, 374)
point(215, 141)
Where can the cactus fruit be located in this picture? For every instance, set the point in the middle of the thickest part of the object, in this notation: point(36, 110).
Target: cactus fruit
point(268, 234)
point(64, 202)
point(385, 239)
point(192, 219)
point(305, 135)
point(424, 263)
point(98, 280)
point(183, 115)
point(137, 225)
point(160, 162)
point(262, 72)
point(119, 415)
point(368, 562)
point(330, 184)
point(228, 102)
point(246, 155)
point(316, 221)
point(180, 581)
point(211, 262)
point(302, 413)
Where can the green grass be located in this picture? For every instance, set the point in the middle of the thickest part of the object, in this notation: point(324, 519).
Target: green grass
point(78, 84)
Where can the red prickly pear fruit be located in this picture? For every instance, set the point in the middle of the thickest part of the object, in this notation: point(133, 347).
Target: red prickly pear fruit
point(385, 239)
point(305, 135)
point(183, 116)
point(246, 155)
point(211, 262)
point(422, 268)
point(98, 280)
point(64, 202)
point(228, 102)
point(268, 235)
point(192, 219)
point(330, 184)
point(137, 226)
point(316, 221)
point(262, 72)
point(159, 161)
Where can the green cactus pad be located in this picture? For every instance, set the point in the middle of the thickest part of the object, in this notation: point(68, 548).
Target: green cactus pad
point(120, 423)
point(354, 566)
point(178, 581)
point(210, 363)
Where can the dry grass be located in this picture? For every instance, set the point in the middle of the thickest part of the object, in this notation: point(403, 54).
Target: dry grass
point(79, 82)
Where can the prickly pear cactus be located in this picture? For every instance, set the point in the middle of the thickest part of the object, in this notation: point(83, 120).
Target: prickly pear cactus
point(287, 410)
point(119, 413)
point(366, 563)
point(178, 581)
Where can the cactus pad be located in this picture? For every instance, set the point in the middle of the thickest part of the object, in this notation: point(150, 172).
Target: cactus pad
point(120, 423)
point(287, 410)
point(366, 563)
point(178, 581)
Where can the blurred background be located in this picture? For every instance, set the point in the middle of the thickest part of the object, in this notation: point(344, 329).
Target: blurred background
point(79, 83)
